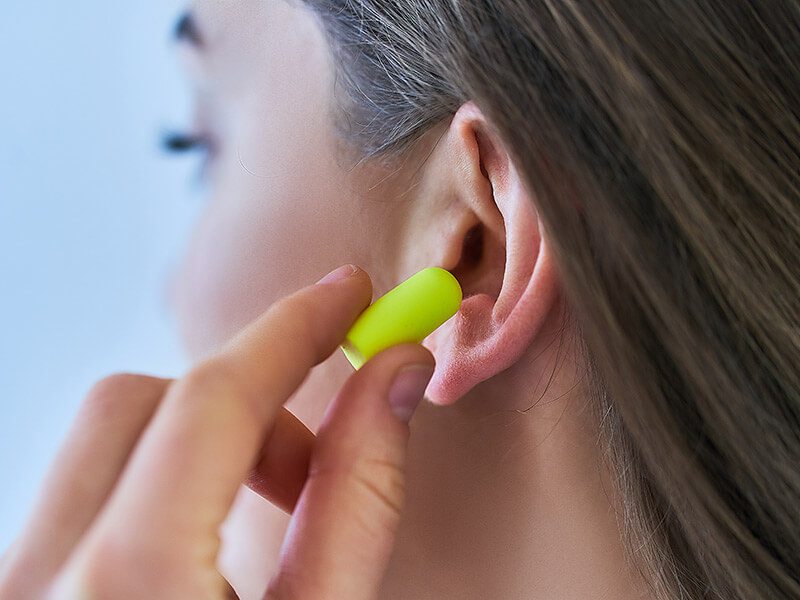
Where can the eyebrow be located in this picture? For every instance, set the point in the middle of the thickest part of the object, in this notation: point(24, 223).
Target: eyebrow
point(186, 30)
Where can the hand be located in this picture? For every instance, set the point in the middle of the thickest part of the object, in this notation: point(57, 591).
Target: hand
point(133, 504)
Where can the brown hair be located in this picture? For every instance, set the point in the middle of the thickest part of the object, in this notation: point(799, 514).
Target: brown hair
point(661, 141)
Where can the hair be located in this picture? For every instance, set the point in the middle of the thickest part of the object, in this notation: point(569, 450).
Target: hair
point(661, 142)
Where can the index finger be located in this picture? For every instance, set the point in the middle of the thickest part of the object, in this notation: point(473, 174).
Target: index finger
point(206, 436)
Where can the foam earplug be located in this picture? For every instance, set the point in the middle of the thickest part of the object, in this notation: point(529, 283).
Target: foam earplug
point(407, 314)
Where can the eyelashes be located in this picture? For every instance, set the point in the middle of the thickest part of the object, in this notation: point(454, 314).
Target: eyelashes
point(179, 143)
point(182, 143)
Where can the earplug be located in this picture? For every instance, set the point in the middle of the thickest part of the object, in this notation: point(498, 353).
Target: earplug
point(407, 314)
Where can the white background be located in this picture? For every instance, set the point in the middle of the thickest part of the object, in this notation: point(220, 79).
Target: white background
point(93, 216)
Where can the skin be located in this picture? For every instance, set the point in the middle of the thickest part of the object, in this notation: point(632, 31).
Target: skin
point(127, 511)
point(506, 495)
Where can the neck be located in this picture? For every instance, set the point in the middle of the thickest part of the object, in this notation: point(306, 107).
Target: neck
point(508, 498)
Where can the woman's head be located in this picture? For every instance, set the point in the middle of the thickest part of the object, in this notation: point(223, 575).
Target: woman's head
point(656, 145)
point(287, 203)
point(661, 143)
point(292, 198)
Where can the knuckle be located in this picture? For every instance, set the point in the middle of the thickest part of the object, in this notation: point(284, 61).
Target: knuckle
point(377, 483)
point(113, 385)
point(383, 481)
point(105, 397)
point(220, 379)
point(211, 377)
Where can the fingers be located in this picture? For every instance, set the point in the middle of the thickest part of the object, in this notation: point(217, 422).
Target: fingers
point(282, 467)
point(184, 452)
point(206, 436)
point(342, 530)
point(85, 470)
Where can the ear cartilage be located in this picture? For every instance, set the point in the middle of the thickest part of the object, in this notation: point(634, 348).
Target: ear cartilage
point(407, 314)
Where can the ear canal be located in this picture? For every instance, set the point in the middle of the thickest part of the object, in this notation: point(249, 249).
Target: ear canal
point(481, 263)
point(472, 253)
point(472, 250)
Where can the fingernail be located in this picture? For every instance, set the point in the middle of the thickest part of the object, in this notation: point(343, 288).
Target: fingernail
point(407, 390)
point(338, 274)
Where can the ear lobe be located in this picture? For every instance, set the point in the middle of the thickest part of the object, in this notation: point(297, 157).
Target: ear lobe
point(505, 267)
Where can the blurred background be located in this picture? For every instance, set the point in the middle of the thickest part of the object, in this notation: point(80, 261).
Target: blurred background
point(93, 216)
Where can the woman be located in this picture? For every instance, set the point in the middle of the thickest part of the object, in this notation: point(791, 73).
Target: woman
point(615, 410)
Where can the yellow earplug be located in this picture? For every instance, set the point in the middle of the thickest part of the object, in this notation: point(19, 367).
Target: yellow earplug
point(407, 314)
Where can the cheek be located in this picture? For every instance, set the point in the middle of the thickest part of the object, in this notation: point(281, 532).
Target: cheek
point(257, 243)
point(283, 213)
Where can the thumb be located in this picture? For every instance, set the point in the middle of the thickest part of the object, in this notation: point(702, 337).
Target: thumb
point(342, 531)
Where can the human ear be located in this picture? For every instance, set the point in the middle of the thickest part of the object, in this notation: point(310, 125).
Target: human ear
point(490, 237)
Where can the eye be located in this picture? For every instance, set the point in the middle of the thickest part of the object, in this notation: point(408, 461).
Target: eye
point(181, 143)
point(185, 142)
